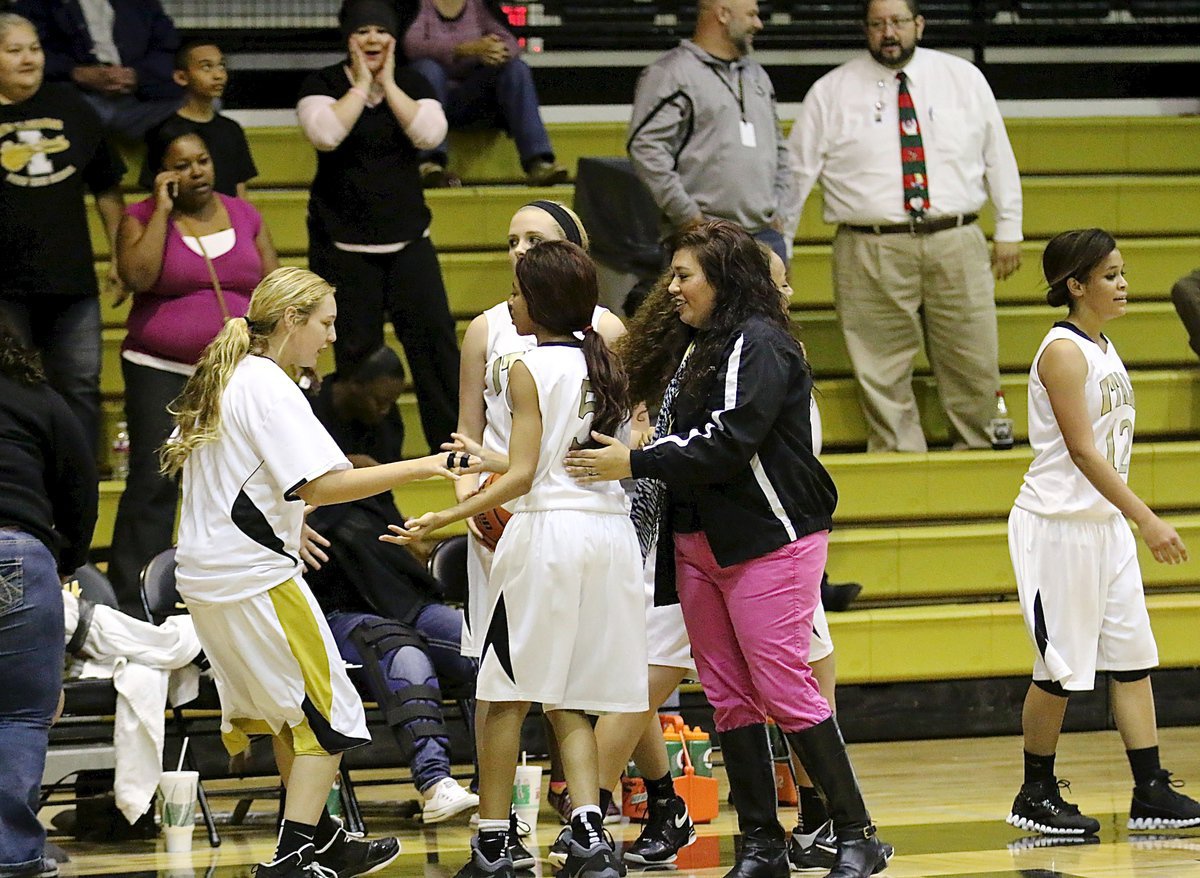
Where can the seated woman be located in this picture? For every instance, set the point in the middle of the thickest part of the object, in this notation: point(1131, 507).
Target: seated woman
point(470, 60)
point(192, 257)
point(380, 603)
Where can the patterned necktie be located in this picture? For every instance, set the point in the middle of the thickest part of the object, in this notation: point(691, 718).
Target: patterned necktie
point(912, 153)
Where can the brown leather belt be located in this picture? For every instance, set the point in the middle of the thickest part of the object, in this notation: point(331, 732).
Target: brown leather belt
point(917, 226)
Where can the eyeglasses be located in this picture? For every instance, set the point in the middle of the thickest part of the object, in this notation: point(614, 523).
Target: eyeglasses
point(880, 25)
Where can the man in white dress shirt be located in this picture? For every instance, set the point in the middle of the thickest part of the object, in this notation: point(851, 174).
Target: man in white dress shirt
point(908, 144)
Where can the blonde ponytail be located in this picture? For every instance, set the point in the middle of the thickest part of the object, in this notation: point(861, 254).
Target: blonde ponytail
point(197, 411)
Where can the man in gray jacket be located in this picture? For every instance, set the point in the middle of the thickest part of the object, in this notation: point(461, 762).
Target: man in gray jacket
point(704, 137)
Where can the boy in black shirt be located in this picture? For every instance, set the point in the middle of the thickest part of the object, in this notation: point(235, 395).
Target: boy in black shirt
point(200, 70)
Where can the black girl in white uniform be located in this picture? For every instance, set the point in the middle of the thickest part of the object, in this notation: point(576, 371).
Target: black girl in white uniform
point(566, 625)
point(1073, 553)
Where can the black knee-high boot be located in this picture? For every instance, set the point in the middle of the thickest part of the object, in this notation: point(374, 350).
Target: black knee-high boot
point(823, 753)
point(752, 782)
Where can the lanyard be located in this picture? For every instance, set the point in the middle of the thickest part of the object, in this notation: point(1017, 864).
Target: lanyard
point(739, 95)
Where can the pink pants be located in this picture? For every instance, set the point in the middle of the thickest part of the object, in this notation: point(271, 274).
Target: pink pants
point(750, 626)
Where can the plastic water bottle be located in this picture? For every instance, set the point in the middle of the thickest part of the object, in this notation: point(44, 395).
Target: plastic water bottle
point(334, 800)
point(1002, 425)
point(120, 452)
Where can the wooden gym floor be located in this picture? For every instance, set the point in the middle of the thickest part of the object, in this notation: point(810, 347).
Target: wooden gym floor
point(941, 803)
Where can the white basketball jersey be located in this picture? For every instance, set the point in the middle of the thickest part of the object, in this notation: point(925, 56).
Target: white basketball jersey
point(566, 401)
point(1054, 486)
point(503, 346)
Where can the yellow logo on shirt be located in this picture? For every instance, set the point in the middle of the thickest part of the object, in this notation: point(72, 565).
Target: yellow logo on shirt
point(25, 151)
point(1115, 391)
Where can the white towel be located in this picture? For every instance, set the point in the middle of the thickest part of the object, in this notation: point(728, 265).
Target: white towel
point(148, 665)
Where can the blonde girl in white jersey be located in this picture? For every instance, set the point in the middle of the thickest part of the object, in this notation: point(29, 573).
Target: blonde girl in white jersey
point(252, 455)
point(567, 624)
point(1073, 553)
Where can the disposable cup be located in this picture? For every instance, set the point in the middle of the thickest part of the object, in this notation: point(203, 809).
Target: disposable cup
point(178, 791)
point(527, 793)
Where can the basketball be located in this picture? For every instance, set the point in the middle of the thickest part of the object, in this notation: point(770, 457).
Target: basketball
point(491, 523)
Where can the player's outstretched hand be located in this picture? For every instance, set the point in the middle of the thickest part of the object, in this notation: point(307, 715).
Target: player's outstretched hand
point(414, 529)
point(483, 460)
point(605, 464)
point(1165, 543)
point(311, 543)
point(448, 466)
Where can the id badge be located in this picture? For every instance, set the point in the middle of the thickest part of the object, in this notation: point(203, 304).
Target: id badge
point(749, 138)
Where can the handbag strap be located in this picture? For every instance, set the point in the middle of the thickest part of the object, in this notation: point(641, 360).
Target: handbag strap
point(212, 272)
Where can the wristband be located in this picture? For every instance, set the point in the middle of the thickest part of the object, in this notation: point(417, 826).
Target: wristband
point(355, 90)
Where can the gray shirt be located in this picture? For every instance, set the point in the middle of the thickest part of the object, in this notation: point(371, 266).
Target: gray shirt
point(705, 139)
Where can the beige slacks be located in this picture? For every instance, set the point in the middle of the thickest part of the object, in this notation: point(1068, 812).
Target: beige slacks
point(895, 292)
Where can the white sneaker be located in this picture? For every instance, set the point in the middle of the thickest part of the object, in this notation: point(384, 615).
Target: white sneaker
point(445, 799)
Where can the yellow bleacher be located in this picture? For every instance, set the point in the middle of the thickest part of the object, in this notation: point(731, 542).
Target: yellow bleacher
point(925, 534)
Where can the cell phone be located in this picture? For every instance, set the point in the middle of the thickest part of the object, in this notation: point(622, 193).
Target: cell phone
point(173, 189)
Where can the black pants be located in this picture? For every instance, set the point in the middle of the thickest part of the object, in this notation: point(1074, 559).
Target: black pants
point(407, 288)
point(146, 514)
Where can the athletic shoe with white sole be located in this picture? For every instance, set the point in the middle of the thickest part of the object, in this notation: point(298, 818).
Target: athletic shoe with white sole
point(445, 799)
point(668, 830)
point(1039, 807)
point(348, 854)
point(1156, 805)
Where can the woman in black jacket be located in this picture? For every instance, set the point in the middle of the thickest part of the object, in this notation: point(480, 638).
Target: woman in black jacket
point(730, 473)
point(47, 513)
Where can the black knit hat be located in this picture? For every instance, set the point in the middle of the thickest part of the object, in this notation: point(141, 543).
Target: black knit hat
point(360, 13)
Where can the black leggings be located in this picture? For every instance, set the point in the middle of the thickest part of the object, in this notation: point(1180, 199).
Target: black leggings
point(406, 287)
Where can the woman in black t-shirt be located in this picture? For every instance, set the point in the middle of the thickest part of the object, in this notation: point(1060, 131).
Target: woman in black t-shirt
point(51, 154)
point(368, 224)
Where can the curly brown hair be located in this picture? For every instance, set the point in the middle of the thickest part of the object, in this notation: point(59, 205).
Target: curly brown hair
point(738, 271)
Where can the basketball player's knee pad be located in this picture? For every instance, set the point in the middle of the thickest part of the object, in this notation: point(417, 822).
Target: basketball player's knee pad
point(1052, 687)
point(1128, 676)
point(412, 712)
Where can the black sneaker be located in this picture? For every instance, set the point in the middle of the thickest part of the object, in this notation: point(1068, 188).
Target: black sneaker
point(668, 831)
point(1039, 807)
point(349, 854)
point(1157, 806)
point(597, 861)
point(521, 856)
point(298, 864)
point(558, 850)
point(480, 867)
point(813, 851)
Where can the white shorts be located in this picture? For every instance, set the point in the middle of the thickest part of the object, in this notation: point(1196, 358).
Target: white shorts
point(1081, 595)
point(479, 597)
point(277, 666)
point(667, 637)
point(820, 645)
point(568, 624)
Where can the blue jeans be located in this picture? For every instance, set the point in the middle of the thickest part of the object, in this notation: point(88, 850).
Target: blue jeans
point(31, 665)
point(501, 97)
point(66, 331)
point(773, 239)
point(128, 115)
point(441, 628)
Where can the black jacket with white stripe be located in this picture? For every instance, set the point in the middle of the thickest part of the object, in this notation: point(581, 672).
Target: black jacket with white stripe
point(741, 466)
